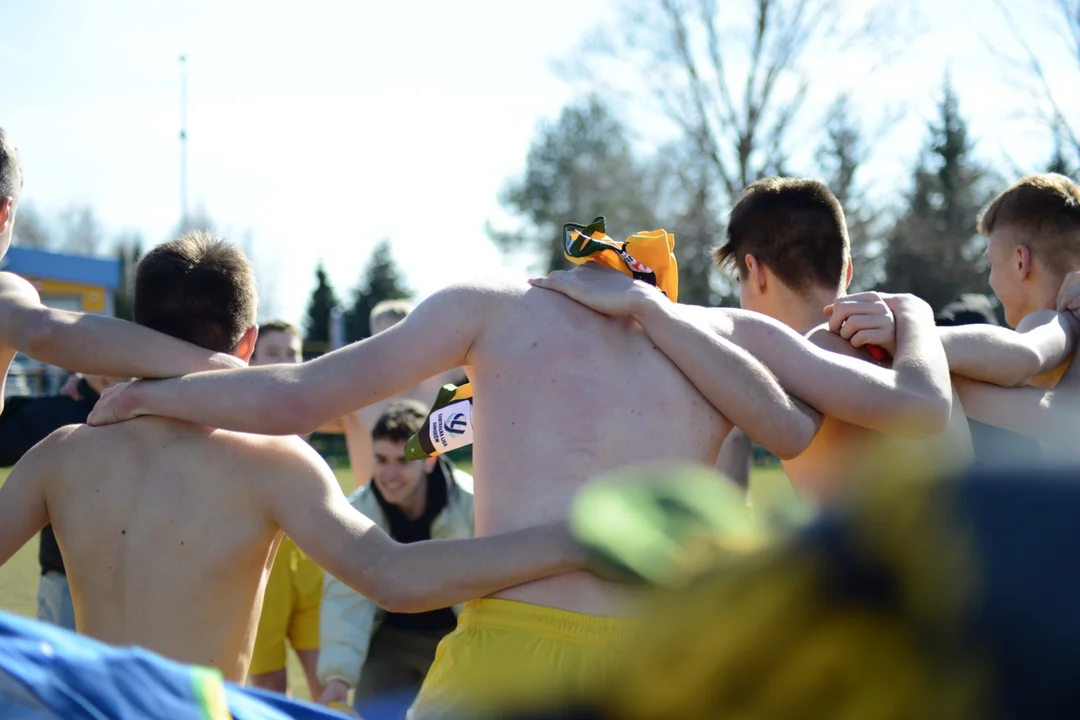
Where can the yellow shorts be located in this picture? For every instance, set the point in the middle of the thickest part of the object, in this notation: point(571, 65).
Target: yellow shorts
point(290, 609)
point(508, 656)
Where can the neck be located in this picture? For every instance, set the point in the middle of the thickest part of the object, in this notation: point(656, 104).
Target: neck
point(413, 507)
point(802, 312)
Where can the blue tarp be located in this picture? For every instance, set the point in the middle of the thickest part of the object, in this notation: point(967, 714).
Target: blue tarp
point(48, 672)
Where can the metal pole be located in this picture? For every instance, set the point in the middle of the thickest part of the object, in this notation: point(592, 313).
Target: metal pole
point(183, 143)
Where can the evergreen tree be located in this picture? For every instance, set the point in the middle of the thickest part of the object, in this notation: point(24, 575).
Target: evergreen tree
point(320, 309)
point(382, 281)
point(841, 155)
point(1061, 161)
point(934, 250)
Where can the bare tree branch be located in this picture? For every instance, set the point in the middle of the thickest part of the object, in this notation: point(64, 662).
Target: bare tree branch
point(1072, 18)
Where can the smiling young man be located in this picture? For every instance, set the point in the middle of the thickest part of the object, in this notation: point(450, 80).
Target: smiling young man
point(383, 653)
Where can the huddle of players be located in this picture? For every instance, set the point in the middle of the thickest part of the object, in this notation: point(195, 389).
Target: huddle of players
point(565, 389)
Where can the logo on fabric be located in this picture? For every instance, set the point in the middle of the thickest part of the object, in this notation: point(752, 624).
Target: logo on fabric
point(456, 424)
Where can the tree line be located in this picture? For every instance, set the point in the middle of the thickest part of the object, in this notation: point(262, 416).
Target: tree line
point(738, 110)
point(731, 77)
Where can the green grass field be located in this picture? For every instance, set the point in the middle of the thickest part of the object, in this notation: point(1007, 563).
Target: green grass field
point(19, 576)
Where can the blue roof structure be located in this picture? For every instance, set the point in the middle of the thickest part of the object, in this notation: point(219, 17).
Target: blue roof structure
point(62, 268)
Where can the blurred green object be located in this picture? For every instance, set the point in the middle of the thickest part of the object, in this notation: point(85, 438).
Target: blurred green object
point(659, 524)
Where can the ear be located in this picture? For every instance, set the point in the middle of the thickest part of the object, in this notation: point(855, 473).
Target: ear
point(7, 214)
point(850, 273)
point(246, 347)
point(755, 273)
point(1022, 259)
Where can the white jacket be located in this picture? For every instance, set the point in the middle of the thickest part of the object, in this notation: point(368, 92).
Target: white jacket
point(348, 620)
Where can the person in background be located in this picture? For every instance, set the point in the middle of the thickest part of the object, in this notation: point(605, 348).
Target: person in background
point(24, 423)
point(381, 654)
point(294, 589)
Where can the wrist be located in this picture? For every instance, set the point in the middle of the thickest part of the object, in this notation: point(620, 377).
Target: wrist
point(222, 361)
point(135, 400)
point(645, 301)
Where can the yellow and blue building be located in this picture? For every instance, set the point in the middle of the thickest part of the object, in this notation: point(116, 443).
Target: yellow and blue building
point(67, 282)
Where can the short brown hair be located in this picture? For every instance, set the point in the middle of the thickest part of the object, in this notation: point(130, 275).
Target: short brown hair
point(11, 179)
point(197, 288)
point(279, 326)
point(400, 420)
point(794, 227)
point(1045, 209)
point(397, 310)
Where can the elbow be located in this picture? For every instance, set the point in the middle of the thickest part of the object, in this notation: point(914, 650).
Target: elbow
point(39, 335)
point(925, 415)
point(291, 413)
point(795, 437)
point(790, 447)
point(392, 598)
point(1030, 364)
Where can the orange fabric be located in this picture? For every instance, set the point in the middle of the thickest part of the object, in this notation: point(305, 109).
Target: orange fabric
point(653, 249)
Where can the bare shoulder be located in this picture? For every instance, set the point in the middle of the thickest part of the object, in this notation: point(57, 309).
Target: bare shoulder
point(486, 288)
point(13, 285)
point(70, 442)
point(265, 451)
point(69, 437)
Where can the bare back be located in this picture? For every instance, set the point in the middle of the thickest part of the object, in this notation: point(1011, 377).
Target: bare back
point(563, 394)
point(166, 544)
point(841, 453)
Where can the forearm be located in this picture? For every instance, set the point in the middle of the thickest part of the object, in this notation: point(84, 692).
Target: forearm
point(297, 399)
point(848, 389)
point(730, 378)
point(99, 345)
point(922, 370)
point(1050, 416)
point(1010, 358)
point(359, 447)
point(258, 400)
point(425, 576)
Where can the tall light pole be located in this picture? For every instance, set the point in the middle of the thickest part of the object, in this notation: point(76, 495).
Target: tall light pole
point(183, 143)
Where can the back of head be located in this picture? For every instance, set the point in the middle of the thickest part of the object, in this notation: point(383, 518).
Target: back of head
point(197, 288)
point(388, 313)
point(11, 179)
point(280, 326)
point(400, 420)
point(794, 227)
point(1044, 213)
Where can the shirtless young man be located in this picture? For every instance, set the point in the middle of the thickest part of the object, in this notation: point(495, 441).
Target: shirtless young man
point(562, 394)
point(1034, 253)
point(93, 344)
point(788, 240)
point(169, 529)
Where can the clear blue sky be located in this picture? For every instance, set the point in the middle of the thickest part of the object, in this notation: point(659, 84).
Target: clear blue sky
point(320, 128)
